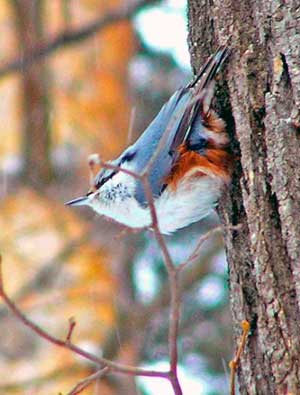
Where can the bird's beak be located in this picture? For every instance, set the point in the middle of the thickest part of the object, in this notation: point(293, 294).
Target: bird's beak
point(81, 201)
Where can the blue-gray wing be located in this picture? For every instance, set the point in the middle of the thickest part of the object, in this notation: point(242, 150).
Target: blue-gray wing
point(167, 121)
point(181, 119)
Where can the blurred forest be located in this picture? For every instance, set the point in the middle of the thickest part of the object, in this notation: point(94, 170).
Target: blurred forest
point(71, 87)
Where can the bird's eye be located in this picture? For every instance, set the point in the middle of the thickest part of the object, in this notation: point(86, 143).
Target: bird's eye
point(128, 157)
point(103, 180)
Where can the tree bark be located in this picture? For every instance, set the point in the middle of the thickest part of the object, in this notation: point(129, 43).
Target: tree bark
point(37, 169)
point(263, 77)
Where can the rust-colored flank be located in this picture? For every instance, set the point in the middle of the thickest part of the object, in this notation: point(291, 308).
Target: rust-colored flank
point(215, 160)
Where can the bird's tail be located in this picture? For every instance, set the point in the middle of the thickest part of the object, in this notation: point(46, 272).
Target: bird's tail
point(202, 94)
point(204, 83)
point(210, 69)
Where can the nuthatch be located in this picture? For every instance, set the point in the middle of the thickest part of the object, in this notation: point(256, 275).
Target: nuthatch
point(189, 171)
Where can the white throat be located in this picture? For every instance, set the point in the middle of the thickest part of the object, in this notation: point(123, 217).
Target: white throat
point(193, 199)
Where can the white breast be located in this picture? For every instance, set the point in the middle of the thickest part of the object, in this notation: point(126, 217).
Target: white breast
point(193, 200)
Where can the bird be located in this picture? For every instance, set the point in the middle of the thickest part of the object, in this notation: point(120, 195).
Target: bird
point(188, 172)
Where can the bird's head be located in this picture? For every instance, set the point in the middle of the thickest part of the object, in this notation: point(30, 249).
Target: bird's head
point(111, 185)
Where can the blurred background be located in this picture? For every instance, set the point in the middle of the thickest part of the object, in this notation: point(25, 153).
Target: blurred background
point(78, 77)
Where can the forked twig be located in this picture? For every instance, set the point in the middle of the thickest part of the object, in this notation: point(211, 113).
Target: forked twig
point(84, 383)
point(173, 273)
point(203, 238)
point(171, 375)
point(114, 366)
point(195, 254)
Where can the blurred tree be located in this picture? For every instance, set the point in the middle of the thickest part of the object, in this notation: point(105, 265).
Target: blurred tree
point(30, 26)
point(264, 257)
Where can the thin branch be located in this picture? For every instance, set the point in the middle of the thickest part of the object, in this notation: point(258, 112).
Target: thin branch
point(154, 225)
point(174, 330)
point(188, 279)
point(173, 274)
point(235, 362)
point(131, 125)
point(127, 369)
point(174, 290)
point(72, 324)
point(174, 308)
point(83, 384)
point(72, 37)
point(195, 254)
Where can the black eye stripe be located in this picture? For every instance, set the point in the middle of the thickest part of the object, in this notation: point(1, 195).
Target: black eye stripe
point(128, 157)
point(105, 179)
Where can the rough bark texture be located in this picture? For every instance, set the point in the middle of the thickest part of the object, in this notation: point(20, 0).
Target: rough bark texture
point(263, 79)
point(37, 168)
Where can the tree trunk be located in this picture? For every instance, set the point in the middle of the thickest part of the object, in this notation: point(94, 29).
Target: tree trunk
point(37, 168)
point(263, 77)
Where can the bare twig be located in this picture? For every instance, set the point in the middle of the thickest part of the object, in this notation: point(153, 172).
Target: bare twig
point(233, 364)
point(188, 279)
point(83, 384)
point(195, 254)
point(110, 166)
point(127, 369)
point(72, 37)
point(172, 272)
point(174, 308)
point(72, 324)
point(131, 125)
point(174, 290)
point(93, 161)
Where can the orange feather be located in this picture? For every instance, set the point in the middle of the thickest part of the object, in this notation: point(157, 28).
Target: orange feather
point(215, 162)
